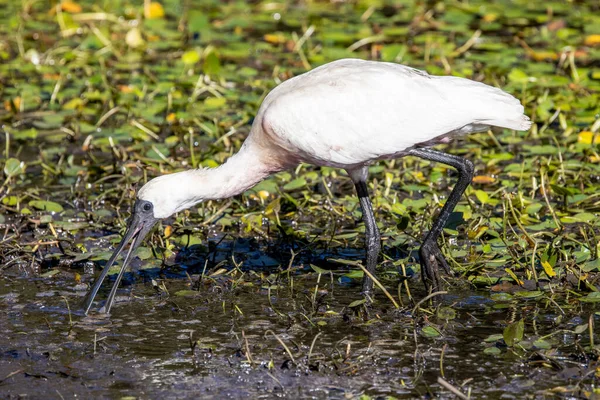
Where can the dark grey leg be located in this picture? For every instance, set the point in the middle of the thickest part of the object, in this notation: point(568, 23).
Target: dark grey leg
point(373, 239)
point(430, 254)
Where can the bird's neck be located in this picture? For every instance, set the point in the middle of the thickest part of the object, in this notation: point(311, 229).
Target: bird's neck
point(239, 173)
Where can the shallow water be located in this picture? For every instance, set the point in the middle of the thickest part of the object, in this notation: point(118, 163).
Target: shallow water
point(48, 348)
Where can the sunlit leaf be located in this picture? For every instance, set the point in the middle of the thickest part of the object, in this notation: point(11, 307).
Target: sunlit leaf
point(13, 167)
point(154, 10)
point(46, 205)
point(190, 57)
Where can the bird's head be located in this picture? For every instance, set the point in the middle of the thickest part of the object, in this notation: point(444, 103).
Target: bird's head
point(168, 194)
point(159, 198)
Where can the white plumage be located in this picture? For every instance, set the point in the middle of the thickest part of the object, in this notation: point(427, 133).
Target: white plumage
point(346, 114)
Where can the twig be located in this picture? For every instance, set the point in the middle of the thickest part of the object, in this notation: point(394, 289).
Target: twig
point(451, 388)
point(424, 299)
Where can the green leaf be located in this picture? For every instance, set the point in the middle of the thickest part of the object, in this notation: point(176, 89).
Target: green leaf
point(518, 76)
point(561, 190)
point(526, 294)
point(186, 293)
point(542, 344)
point(482, 196)
point(198, 21)
point(355, 274)
point(492, 350)
point(430, 332)
point(593, 297)
point(501, 297)
point(357, 303)
point(50, 274)
point(46, 205)
point(212, 64)
point(295, 184)
point(513, 333)
point(143, 253)
point(13, 167)
point(10, 201)
point(215, 102)
point(493, 338)
point(318, 270)
point(446, 313)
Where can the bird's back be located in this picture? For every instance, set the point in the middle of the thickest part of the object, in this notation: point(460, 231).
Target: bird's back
point(350, 112)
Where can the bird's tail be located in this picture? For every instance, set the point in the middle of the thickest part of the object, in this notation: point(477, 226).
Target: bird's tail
point(492, 106)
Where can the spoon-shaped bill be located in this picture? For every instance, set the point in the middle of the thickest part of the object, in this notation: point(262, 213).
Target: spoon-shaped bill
point(141, 222)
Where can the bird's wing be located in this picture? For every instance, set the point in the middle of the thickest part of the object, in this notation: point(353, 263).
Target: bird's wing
point(352, 114)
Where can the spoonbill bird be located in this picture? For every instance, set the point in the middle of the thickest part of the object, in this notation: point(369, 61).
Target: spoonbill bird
point(347, 114)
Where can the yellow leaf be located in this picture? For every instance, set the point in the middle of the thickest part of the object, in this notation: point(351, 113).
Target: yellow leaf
point(548, 269)
point(484, 179)
point(274, 38)
point(594, 159)
point(490, 17)
point(512, 275)
point(168, 231)
point(544, 55)
point(154, 10)
point(592, 40)
point(585, 137)
point(190, 57)
point(15, 101)
point(70, 7)
point(125, 89)
point(171, 118)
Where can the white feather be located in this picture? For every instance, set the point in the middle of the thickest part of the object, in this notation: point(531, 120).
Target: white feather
point(347, 114)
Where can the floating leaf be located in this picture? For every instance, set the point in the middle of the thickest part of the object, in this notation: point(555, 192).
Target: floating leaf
point(13, 167)
point(446, 313)
point(318, 270)
point(212, 64)
point(525, 294)
point(492, 350)
point(482, 196)
point(357, 303)
point(70, 7)
point(190, 57)
point(154, 10)
point(215, 102)
point(46, 205)
point(513, 333)
point(50, 274)
point(542, 344)
point(430, 332)
point(586, 137)
point(355, 274)
point(592, 40)
point(186, 293)
point(295, 184)
point(484, 179)
point(593, 297)
point(548, 269)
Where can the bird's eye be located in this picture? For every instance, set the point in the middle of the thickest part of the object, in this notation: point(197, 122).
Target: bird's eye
point(147, 207)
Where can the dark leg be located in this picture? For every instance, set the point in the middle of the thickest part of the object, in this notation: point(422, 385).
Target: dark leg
point(430, 253)
point(373, 239)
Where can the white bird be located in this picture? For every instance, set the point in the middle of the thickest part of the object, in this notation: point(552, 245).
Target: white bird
point(347, 114)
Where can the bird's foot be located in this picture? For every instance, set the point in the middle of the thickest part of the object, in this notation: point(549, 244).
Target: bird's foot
point(431, 258)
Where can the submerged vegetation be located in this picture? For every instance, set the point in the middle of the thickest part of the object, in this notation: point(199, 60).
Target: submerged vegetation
point(259, 294)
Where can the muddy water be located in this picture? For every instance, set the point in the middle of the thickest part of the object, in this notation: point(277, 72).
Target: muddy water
point(226, 340)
